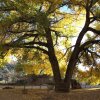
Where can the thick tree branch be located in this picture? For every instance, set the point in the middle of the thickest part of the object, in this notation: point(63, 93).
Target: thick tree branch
point(7, 8)
point(74, 56)
point(94, 31)
point(38, 48)
point(23, 46)
point(95, 18)
point(36, 43)
point(22, 31)
point(25, 36)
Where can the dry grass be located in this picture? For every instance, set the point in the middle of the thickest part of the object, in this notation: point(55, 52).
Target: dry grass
point(16, 94)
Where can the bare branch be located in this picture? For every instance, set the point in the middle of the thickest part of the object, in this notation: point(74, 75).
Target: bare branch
point(67, 51)
point(91, 42)
point(93, 53)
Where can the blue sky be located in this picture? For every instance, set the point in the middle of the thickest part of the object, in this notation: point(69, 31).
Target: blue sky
point(65, 9)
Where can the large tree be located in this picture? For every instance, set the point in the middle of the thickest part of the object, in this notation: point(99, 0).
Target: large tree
point(33, 24)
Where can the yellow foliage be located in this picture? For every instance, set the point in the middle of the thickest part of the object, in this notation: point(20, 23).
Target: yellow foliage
point(98, 26)
point(28, 68)
point(75, 1)
point(51, 1)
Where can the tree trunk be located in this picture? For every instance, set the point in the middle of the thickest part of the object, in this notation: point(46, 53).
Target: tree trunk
point(61, 87)
point(74, 57)
point(70, 69)
point(59, 84)
point(54, 62)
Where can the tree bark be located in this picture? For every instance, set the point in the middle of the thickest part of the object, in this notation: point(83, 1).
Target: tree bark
point(74, 57)
point(54, 62)
point(70, 69)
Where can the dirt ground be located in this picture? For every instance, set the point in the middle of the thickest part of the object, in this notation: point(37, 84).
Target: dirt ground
point(40, 94)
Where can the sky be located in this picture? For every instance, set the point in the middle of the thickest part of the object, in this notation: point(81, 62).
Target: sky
point(65, 9)
point(83, 68)
point(12, 58)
